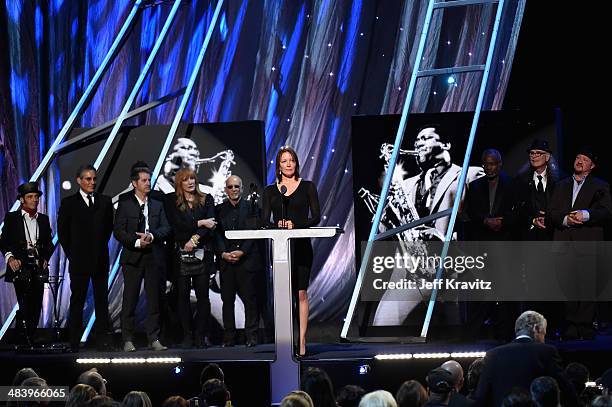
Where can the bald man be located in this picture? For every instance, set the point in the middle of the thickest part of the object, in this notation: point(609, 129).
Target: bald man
point(240, 262)
point(456, 370)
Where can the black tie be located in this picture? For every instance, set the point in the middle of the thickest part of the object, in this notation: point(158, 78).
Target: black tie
point(540, 186)
point(89, 201)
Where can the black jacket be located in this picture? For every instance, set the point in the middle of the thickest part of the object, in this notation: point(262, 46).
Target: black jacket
point(13, 238)
point(516, 364)
point(594, 196)
point(243, 217)
point(524, 208)
point(84, 233)
point(477, 207)
point(127, 219)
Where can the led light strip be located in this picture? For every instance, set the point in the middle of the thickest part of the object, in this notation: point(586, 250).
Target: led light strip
point(433, 355)
point(126, 361)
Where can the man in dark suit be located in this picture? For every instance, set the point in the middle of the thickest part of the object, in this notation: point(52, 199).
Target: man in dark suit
point(84, 225)
point(533, 190)
point(516, 364)
point(488, 202)
point(240, 261)
point(27, 247)
point(141, 226)
point(578, 211)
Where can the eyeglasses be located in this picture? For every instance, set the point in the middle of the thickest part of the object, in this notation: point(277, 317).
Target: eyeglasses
point(233, 186)
point(536, 153)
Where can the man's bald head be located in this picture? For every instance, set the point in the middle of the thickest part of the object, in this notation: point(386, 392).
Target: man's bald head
point(455, 369)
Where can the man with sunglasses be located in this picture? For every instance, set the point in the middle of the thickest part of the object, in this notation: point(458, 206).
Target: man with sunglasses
point(240, 262)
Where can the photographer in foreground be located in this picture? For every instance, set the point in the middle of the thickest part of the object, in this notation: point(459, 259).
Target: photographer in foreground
point(27, 247)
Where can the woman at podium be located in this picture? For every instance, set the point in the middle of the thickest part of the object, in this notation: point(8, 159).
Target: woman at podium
point(294, 204)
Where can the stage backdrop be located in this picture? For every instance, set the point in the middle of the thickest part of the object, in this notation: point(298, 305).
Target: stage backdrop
point(304, 67)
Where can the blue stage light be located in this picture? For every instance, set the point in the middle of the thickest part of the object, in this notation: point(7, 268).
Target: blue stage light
point(364, 369)
point(451, 80)
point(178, 369)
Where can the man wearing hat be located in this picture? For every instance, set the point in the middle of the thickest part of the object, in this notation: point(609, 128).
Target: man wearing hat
point(578, 211)
point(27, 247)
point(534, 188)
point(440, 386)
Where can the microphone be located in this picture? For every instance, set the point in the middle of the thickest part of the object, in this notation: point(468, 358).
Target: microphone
point(283, 191)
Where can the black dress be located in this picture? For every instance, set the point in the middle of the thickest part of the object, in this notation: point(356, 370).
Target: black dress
point(302, 202)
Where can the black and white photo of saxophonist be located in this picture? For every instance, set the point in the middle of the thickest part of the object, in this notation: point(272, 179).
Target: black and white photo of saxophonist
point(431, 190)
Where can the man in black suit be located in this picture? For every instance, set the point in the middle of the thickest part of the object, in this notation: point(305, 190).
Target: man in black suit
point(141, 226)
point(240, 261)
point(579, 209)
point(533, 190)
point(516, 364)
point(84, 225)
point(488, 202)
point(27, 247)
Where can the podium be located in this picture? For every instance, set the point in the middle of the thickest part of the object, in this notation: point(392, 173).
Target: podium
point(285, 370)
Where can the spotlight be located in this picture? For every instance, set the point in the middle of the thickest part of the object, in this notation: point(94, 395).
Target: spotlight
point(451, 80)
point(178, 369)
point(364, 369)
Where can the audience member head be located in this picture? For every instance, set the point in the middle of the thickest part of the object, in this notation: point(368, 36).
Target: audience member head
point(532, 324)
point(137, 399)
point(297, 398)
point(578, 374)
point(80, 394)
point(175, 401)
point(545, 391)
point(456, 370)
point(215, 393)
point(440, 385)
point(349, 396)
point(23, 374)
point(34, 382)
point(605, 381)
point(602, 401)
point(94, 379)
point(319, 387)
point(378, 398)
point(518, 398)
point(411, 394)
point(103, 401)
point(473, 375)
point(211, 371)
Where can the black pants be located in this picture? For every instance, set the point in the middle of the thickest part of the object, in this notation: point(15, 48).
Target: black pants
point(133, 275)
point(200, 285)
point(29, 297)
point(79, 284)
point(236, 280)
